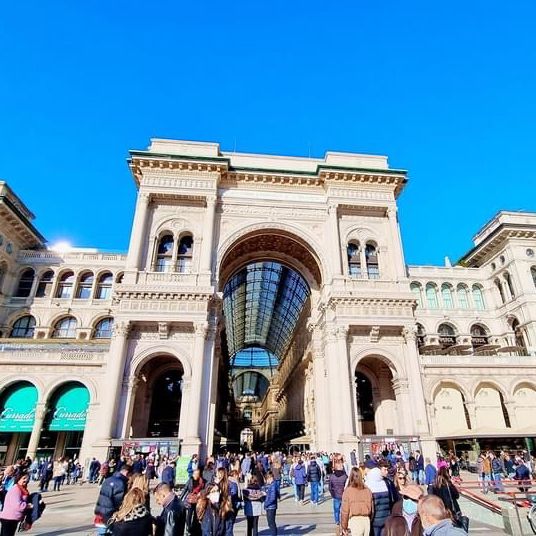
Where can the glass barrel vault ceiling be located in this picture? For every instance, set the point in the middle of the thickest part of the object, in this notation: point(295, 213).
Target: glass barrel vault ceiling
point(262, 303)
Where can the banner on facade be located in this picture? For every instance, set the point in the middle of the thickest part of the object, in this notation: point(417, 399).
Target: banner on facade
point(70, 410)
point(17, 413)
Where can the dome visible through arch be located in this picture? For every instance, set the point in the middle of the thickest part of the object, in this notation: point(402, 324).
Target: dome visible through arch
point(262, 303)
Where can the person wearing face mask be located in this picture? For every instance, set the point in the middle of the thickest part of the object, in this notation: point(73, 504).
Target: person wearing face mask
point(435, 518)
point(172, 519)
point(404, 519)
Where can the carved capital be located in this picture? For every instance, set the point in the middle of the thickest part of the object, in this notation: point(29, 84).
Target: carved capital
point(121, 329)
point(211, 200)
point(374, 333)
point(400, 386)
point(163, 330)
point(409, 334)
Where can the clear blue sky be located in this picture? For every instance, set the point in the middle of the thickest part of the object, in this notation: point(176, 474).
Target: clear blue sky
point(445, 89)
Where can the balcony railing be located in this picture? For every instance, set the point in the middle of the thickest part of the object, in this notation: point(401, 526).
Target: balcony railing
point(52, 353)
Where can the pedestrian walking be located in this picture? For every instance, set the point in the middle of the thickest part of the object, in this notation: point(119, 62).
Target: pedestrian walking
point(133, 518)
point(404, 519)
point(357, 506)
point(380, 494)
point(16, 504)
point(300, 480)
point(172, 519)
point(337, 483)
point(253, 497)
point(270, 502)
point(314, 476)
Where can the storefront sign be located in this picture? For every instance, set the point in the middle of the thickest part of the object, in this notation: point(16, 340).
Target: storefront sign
point(70, 410)
point(18, 409)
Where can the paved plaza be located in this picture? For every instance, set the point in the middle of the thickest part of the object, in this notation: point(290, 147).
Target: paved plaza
point(70, 511)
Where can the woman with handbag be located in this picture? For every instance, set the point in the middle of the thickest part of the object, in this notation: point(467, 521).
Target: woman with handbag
point(194, 487)
point(447, 492)
point(253, 497)
point(16, 505)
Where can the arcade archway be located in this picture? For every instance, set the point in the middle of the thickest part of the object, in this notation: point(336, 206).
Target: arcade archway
point(157, 404)
point(269, 282)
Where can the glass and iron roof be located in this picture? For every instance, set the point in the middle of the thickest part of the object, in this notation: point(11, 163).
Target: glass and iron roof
point(262, 303)
point(250, 384)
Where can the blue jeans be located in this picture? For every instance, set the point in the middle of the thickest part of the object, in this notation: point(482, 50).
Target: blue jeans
point(337, 503)
point(498, 482)
point(270, 517)
point(314, 492)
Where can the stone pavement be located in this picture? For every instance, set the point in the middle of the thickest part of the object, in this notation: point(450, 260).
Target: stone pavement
point(70, 512)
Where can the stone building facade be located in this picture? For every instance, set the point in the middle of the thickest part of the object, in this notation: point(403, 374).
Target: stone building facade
point(264, 299)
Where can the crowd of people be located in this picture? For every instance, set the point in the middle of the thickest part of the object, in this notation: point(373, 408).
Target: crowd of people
point(391, 494)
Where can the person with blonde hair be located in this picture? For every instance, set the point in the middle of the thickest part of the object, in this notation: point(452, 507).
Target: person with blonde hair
point(132, 518)
point(357, 506)
point(140, 481)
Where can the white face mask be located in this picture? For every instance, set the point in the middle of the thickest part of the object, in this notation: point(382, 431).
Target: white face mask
point(214, 497)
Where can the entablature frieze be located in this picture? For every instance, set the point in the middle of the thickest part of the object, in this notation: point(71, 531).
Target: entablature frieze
point(370, 307)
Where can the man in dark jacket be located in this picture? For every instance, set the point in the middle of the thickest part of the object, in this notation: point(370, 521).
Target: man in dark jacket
point(172, 519)
point(314, 476)
point(168, 475)
point(111, 495)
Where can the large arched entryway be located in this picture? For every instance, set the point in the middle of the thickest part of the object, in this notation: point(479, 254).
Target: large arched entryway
point(157, 403)
point(270, 281)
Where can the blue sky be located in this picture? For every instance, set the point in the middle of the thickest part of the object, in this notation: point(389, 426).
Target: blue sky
point(446, 90)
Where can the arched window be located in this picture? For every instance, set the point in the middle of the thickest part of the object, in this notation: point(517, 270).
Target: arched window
point(65, 328)
point(85, 285)
point(103, 329)
point(446, 296)
point(354, 260)
point(45, 285)
point(119, 277)
point(463, 298)
point(104, 287)
point(371, 257)
point(421, 334)
point(185, 253)
point(479, 335)
point(25, 283)
point(533, 274)
point(417, 292)
point(499, 286)
point(447, 335)
point(65, 286)
point(508, 280)
point(431, 296)
point(23, 328)
point(518, 334)
point(164, 256)
point(478, 298)
point(3, 271)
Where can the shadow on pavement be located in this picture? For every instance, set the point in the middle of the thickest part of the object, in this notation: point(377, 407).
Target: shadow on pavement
point(70, 530)
point(291, 530)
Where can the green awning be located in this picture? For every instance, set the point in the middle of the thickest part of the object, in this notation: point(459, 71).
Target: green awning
point(70, 410)
point(18, 409)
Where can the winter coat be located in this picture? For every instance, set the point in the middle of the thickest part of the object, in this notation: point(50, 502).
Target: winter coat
point(253, 498)
point(337, 481)
point(419, 463)
point(314, 473)
point(172, 519)
point(111, 495)
point(300, 474)
point(270, 501)
point(212, 524)
point(444, 528)
point(446, 494)
point(430, 474)
point(136, 523)
point(15, 504)
point(382, 508)
point(396, 525)
point(168, 476)
point(355, 502)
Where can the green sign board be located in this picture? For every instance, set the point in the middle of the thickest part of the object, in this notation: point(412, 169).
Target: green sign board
point(17, 413)
point(70, 410)
point(181, 470)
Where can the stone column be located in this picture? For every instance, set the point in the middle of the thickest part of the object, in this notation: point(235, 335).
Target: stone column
point(115, 368)
point(511, 408)
point(335, 239)
point(137, 236)
point(340, 389)
point(403, 405)
point(471, 410)
point(132, 386)
point(397, 254)
point(192, 441)
point(413, 371)
point(40, 412)
point(208, 238)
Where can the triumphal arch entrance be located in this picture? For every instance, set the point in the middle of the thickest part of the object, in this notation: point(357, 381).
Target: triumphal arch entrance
point(265, 301)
